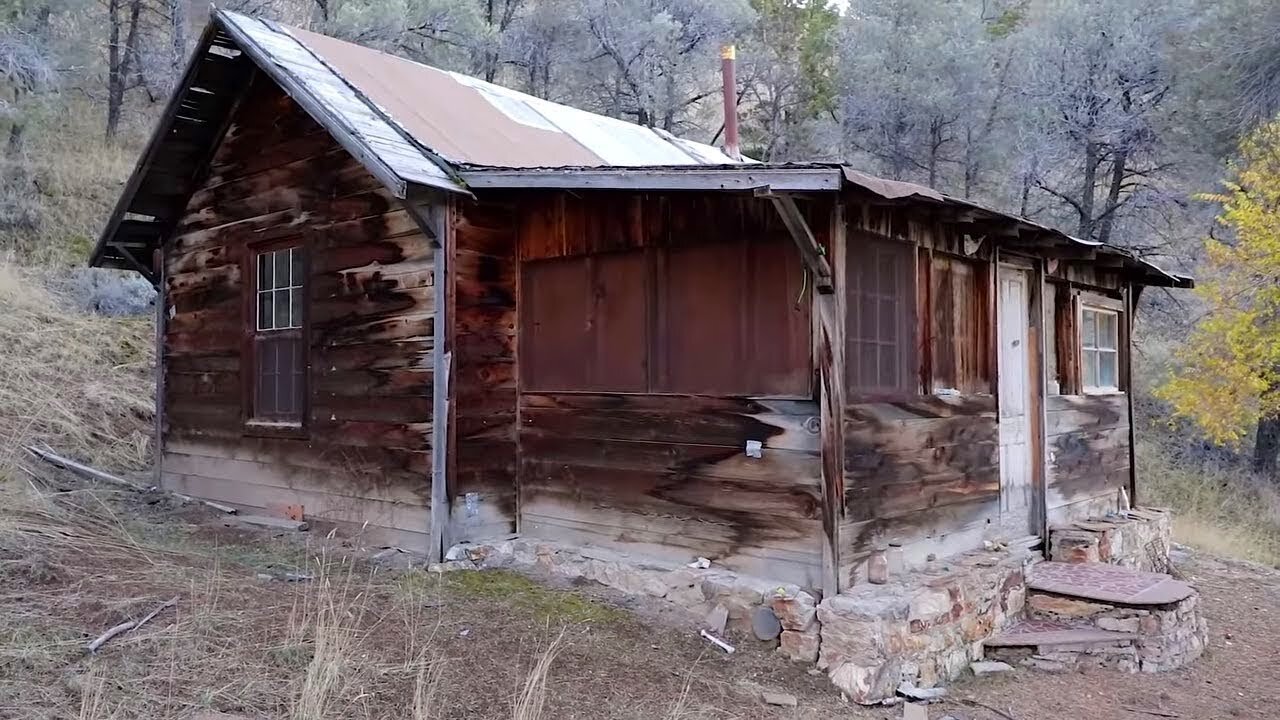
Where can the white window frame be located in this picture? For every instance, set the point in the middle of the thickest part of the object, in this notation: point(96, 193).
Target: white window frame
point(1091, 385)
point(276, 291)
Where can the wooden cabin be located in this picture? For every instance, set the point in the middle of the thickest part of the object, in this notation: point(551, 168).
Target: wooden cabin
point(430, 310)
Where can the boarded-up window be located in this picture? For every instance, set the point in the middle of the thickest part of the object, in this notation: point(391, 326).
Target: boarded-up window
point(733, 320)
point(957, 315)
point(715, 319)
point(880, 357)
point(279, 352)
point(584, 322)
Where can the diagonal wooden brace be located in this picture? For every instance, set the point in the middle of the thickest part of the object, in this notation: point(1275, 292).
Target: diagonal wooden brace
point(810, 251)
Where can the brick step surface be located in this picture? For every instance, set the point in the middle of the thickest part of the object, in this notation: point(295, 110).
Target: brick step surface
point(1101, 582)
point(1044, 633)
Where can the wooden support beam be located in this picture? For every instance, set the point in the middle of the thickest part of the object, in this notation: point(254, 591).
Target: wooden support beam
point(810, 251)
point(1126, 356)
point(830, 360)
point(143, 269)
point(432, 220)
point(162, 319)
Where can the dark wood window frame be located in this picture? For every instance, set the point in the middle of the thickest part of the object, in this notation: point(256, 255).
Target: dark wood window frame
point(956, 323)
point(882, 354)
point(287, 329)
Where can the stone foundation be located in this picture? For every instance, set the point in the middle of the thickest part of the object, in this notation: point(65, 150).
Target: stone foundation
point(1138, 539)
point(924, 628)
point(699, 590)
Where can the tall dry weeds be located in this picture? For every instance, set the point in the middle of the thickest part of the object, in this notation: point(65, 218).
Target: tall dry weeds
point(1223, 510)
point(533, 696)
point(83, 384)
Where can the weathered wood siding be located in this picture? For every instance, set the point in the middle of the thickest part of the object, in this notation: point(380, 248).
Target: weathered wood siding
point(922, 473)
point(482, 292)
point(365, 456)
point(660, 473)
point(1088, 454)
point(668, 476)
point(918, 469)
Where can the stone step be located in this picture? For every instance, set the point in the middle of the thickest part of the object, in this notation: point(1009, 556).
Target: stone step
point(1107, 583)
point(1047, 633)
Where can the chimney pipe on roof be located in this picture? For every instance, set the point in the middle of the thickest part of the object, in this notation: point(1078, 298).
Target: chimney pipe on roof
point(728, 54)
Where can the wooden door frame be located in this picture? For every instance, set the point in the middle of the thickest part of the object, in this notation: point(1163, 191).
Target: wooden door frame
point(1034, 271)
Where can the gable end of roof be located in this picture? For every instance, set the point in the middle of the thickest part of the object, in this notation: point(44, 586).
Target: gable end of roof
point(176, 157)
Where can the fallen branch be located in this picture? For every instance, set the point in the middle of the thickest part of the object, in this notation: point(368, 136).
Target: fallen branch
point(81, 469)
point(151, 615)
point(996, 710)
point(102, 639)
point(128, 626)
point(1145, 711)
point(216, 506)
point(93, 473)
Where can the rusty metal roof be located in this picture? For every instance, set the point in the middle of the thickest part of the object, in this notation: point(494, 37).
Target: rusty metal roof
point(411, 124)
point(470, 122)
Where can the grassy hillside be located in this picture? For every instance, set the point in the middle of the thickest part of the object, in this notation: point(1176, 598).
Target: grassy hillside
point(80, 382)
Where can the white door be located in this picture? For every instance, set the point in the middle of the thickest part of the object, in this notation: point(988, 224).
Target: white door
point(1016, 487)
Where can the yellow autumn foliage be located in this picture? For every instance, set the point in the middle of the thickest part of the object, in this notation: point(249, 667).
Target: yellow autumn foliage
point(1229, 369)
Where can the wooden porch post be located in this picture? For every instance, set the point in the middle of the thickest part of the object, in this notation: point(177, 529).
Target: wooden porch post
point(432, 219)
point(162, 317)
point(829, 308)
point(829, 349)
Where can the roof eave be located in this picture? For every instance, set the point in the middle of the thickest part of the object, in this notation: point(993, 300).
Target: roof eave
point(693, 177)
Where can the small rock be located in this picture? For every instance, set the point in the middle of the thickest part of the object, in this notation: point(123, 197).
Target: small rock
point(915, 711)
point(780, 699)
point(716, 619)
point(765, 624)
point(906, 689)
point(989, 667)
point(1126, 625)
point(393, 558)
point(1045, 664)
point(264, 577)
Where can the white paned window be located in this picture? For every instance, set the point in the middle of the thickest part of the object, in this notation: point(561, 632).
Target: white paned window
point(280, 282)
point(1100, 349)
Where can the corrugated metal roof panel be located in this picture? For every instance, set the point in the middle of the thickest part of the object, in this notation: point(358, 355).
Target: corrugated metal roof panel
point(339, 98)
point(471, 122)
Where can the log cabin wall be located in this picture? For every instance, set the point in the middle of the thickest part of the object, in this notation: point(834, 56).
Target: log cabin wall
point(920, 437)
point(1088, 433)
point(649, 324)
point(482, 293)
point(364, 455)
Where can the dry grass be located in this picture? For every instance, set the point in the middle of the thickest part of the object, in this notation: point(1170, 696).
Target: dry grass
point(1225, 512)
point(55, 197)
point(80, 383)
point(349, 643)
point(532, 698)
point(353, 642)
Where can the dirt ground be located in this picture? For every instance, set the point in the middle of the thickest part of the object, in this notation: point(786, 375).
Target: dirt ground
point(353, 640)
